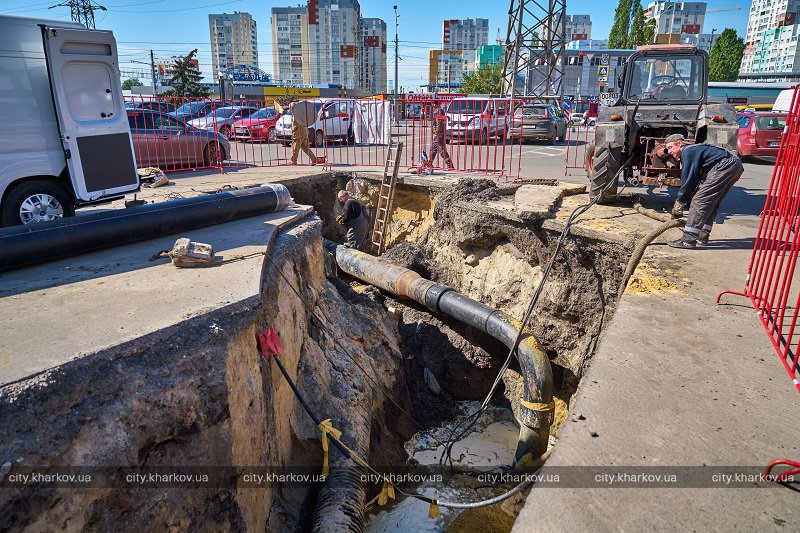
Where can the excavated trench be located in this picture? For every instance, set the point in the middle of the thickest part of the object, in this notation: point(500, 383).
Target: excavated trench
point(389, 374)
point(449, 236)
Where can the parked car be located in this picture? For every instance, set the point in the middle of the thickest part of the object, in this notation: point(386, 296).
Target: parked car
point(334, 121)
point(221, 119)
point(161, 140)
point(476, 120)
point(149, 103)
point(539, 122)
point(577, 119)
point(197, 108)
point(760, 133)
point(260, 126)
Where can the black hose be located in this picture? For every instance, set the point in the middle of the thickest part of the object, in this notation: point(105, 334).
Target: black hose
point(47, 241)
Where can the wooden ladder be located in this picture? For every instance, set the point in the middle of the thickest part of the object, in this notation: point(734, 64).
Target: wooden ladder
point(386, 196)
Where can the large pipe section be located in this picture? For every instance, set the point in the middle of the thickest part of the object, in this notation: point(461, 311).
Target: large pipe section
point(47, 241)
point(536, 407)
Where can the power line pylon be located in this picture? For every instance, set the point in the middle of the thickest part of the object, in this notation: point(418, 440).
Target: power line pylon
point(534, 48)
point(82, 11)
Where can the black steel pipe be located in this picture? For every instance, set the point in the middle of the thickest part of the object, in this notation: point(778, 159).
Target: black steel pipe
point(535, 407)
point(47, 241)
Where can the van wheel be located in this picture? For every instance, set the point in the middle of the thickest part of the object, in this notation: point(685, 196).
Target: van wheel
point(211, 155)
point(271, 135)
point(36, 201)
point(319, 139)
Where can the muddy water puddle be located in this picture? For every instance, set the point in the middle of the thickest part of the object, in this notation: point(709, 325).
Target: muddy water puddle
point(488, 448)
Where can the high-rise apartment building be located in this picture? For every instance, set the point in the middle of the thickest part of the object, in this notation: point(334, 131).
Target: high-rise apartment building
point(674, 19)
point(334, 43)
point(465, 34)
point(577, 28)
point(373, 55)
point(234, 40)
point(289, 34)
point(771, 43)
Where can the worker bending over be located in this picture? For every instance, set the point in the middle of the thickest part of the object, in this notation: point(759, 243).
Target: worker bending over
point(355, 220)
point(707, 174)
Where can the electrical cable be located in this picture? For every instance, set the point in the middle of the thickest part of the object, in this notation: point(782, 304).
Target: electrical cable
point(473, 418)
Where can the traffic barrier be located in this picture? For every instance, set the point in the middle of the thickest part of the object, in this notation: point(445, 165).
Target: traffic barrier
point(478, 135)
point(769, 283)
point(580, 134)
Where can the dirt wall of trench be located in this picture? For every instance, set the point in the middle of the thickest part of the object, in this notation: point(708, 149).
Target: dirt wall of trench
point(199, 394)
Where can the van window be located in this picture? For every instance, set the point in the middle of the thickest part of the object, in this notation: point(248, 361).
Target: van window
point(465, 107)
point(343, 108)
point(330, 111)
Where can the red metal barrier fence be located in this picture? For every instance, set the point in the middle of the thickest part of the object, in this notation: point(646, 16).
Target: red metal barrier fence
point(770, 275)
point(581, 133)
point(481, 135)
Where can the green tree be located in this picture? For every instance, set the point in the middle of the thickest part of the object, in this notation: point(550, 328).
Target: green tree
point(185, 76)
point(636, 35)
point(726, 56)
point(620, 29)
point(649, 32)
point(487, 79)
point(131, 82)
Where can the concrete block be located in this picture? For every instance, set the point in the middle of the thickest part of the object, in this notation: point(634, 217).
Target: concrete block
point(539, 201)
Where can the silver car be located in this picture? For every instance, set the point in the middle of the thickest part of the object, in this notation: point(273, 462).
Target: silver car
point(476, 120)
point(222, 119)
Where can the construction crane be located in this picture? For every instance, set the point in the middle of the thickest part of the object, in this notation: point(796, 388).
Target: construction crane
point(81, 11)
point(534, 49)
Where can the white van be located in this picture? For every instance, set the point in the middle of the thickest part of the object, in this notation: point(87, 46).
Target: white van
point(334, 121)
point(783, 102)
point(64, 135)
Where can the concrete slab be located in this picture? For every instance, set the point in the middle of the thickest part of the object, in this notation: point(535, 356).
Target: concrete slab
point(534, 202)
point(56, 312)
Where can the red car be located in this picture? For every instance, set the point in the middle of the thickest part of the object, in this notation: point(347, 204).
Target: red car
point(760, 133)
point(259, 126)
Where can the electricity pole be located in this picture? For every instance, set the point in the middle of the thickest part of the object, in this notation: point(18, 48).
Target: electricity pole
point(396, 25)
point(153, 72)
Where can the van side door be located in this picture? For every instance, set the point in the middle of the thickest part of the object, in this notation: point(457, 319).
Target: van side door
point(95, 135)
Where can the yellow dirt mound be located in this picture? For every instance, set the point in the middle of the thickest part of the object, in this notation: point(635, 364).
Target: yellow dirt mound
point(482, 520)
point(646, 280)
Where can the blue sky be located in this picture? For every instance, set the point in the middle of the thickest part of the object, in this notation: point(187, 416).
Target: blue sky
point(171, 27)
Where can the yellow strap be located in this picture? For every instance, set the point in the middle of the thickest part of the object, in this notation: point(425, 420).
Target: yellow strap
point(386, 492)
point(327, 427)
point(434, 512)
point(537, 406)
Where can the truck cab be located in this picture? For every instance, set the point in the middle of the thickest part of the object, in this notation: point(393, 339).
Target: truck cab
point(664, 91)
point(65, 140)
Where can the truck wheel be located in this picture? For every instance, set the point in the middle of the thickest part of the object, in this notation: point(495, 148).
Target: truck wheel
point(36, 201)
point(602, 165)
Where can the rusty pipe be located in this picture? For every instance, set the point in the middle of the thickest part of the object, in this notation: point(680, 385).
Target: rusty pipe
point(536, 405)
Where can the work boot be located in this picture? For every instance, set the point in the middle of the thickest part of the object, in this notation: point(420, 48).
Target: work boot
point(680, 243)
point(702, 241)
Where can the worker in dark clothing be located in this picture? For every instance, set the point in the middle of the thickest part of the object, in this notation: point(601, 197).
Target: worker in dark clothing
point(707, 174)
point(439, 141)
point(355, 220)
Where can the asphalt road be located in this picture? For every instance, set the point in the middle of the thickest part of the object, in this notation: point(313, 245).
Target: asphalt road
point(506, 161)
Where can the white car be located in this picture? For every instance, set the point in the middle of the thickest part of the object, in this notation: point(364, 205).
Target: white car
point(334, 118)
point(576, 119)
